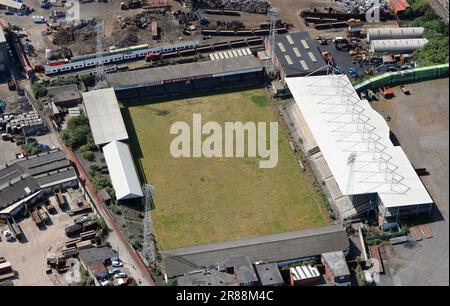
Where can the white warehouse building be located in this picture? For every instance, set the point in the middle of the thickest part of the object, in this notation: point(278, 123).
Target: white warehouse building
point(108, 130)
point(394, 33)
point(349, 143)
point(121, 168)
point(397, 45)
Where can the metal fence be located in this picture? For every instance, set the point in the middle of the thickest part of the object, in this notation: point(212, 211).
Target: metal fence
point(404, 77)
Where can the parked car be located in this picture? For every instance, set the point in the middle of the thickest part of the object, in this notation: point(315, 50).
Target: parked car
point(39, 19)
point(106, 283)
point(114, 271)
point(120, 275)
point(81, 219)
point(116, 263)
point(115, 258)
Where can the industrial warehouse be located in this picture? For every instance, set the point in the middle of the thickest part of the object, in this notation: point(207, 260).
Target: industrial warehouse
point(24, 181)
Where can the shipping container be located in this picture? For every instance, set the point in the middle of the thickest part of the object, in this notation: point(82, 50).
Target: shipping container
point(73, 230)
point(5, 267)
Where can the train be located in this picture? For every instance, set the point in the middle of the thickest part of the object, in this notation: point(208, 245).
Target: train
point(114, 55)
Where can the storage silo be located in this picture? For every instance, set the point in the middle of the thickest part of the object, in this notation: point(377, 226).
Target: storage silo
point(397, 45)
point(394, 33)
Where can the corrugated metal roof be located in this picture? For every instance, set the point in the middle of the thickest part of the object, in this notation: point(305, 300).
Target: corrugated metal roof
point(104, 116)
point(398, 6)
point(397, 45)
point(270, 248)
point(394, 33)
point(304, 272)
point(121, 168)
point(157, 76)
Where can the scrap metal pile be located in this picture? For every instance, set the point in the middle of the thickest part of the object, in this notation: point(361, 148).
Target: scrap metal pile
point(362, 6)
point(249, 6)
point(130, 27)
point(83, 32)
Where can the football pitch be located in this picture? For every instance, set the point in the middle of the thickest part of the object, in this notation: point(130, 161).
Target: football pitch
point(202, 200)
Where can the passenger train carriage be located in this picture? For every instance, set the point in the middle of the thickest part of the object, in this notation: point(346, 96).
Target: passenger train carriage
point(113, 56)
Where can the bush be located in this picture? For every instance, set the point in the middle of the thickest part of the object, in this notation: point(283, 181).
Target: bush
point(135, 244)
point(116, 209)
point(100, 182)
point(77, 133)
point(85, 277)
point(39, 90)
point(88, 155)
point(31, 149)
point(436, 51)
point(64, 81)
point(360, 275)
point(93, 169)
point(87, 79)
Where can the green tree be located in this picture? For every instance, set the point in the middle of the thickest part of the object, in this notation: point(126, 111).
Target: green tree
point(39, 90)
point(88, 155)
point(100, 182)
point(31, 149)
point(77, 133)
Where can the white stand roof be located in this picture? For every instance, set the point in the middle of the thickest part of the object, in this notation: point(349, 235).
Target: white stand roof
point(121, 168)
point(104, 116)
point(354, 140)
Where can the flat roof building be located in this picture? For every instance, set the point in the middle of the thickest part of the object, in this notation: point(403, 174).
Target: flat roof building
point(336, 268)
point(105, 118)
point(269, 275)
point(271, 248)
point(243, 270)
point(65, 96)
point(296, 54)
point(207, 278)
point(121, 168)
